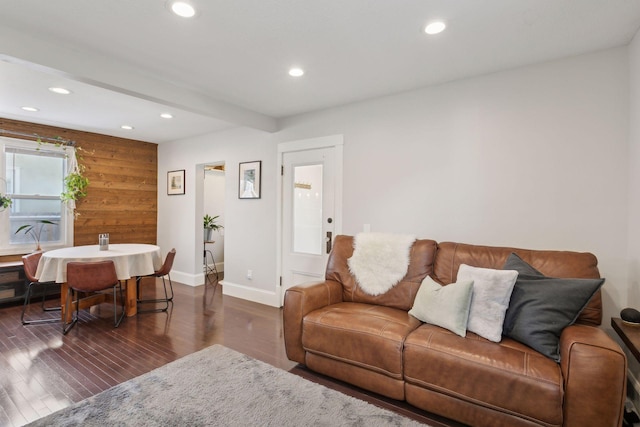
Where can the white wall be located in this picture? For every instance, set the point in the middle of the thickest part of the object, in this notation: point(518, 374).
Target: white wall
point(249, 224)
point(633, 289)
point(634, 173)
point(535, 157)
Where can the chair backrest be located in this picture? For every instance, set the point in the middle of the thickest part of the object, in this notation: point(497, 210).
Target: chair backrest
point(30, 263)
point(168, 263)
point(91, 276)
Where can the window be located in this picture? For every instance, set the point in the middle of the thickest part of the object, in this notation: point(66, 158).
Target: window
point(34, 176)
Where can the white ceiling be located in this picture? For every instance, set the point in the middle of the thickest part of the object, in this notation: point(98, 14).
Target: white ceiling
point(127, 61)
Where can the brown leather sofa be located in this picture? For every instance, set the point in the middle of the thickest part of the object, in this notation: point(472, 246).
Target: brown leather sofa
point(372, 342)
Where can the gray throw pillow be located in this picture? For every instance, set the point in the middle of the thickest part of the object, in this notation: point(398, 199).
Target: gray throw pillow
point(541, 307)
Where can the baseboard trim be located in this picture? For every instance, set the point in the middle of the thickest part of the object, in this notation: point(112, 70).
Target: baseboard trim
point(187, 279)
point(252, 294)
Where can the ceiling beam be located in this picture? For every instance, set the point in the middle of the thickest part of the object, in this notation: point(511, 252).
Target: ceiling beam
point(100, 71)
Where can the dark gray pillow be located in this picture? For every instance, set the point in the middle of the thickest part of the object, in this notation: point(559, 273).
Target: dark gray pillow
point(541, 307)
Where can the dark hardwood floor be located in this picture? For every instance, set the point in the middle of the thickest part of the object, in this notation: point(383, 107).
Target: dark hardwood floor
point(43, 371)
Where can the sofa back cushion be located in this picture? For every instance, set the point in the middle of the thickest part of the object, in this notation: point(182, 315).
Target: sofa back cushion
point(401, 296)
point(562, 264)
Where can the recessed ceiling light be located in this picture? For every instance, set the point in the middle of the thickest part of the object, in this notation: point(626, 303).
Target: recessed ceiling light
point(183, 9)
point(296, 72)
point(60, 90)
point(127, 127)
point(31, 109)
point(166, 115)
point(435, 27)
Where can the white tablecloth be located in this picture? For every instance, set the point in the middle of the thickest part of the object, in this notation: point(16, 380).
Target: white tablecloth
point(130, 259)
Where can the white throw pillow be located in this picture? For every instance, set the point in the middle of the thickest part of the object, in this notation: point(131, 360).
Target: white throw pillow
point(444, 306)
point(491, 294)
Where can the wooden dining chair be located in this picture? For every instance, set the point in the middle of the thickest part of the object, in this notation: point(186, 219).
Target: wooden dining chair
point(163, 272)
point(92, 277)
point(30, 263)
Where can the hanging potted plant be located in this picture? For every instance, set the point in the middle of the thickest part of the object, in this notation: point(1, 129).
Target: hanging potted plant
point(5, 202)
point(210, 225)
point(75, 185)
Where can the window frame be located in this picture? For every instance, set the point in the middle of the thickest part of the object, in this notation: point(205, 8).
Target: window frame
point(66, 214)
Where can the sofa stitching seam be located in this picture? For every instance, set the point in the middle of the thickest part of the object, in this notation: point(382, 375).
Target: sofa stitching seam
point(477, 402)
point(526, 374)
point(374, 368)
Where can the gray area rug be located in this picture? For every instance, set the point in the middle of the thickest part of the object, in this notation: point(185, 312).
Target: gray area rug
point(221, 387)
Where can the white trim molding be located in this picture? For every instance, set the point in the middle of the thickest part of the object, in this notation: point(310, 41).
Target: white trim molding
point(252, 294)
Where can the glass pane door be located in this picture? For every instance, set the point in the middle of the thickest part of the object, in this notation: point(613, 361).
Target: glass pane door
point(307, 209)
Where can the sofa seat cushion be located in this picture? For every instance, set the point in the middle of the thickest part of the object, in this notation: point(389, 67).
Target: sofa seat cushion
point(507, 377)
point(368, 336)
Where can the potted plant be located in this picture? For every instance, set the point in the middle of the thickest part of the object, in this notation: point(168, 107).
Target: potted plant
point(75, 183)
point(210, 225)
point(75, 186)
point(5, 202)
point(35, 230)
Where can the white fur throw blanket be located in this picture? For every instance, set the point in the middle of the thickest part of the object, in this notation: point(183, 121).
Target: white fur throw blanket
point(380, 260)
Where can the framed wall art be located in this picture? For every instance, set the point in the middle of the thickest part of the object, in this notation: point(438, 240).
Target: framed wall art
point(249, 180)
point(175, 182)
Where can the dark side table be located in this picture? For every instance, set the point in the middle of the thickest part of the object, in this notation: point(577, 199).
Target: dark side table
point(630, 335)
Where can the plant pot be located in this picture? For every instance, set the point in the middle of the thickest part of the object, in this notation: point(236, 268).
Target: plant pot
point(207, 234)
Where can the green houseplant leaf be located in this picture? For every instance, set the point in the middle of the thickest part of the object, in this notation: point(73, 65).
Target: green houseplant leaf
point(35, 230)
point(75, 186)
point(75, 183)
point(5, 201)
point(210, 222)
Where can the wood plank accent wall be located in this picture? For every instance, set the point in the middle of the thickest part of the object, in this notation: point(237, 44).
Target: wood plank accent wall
point(122, 197)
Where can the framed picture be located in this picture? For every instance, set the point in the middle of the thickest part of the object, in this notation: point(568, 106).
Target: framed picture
point(249, 180)
point(175, 182)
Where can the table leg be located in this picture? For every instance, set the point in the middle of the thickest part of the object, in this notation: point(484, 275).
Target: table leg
point(64, 289)
point(131, 298)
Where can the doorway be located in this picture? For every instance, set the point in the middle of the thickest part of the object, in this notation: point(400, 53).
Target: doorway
point(310, 208)
point(213, 205)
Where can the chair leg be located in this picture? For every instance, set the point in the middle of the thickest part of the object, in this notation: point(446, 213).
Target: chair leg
point(138, 279)
point(166, 296)
point(170, 286)
point(55, 308)
point(115, 306)
point(27, 301)
point(164, 300)
point(74, 319)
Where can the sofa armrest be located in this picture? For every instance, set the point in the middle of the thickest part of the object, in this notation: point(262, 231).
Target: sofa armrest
point(298, 302)
point(594, 369)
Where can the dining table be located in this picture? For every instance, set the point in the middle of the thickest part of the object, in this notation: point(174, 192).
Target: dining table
point(131, 260)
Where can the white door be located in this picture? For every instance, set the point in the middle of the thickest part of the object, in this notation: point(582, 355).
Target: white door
point(308, 214)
